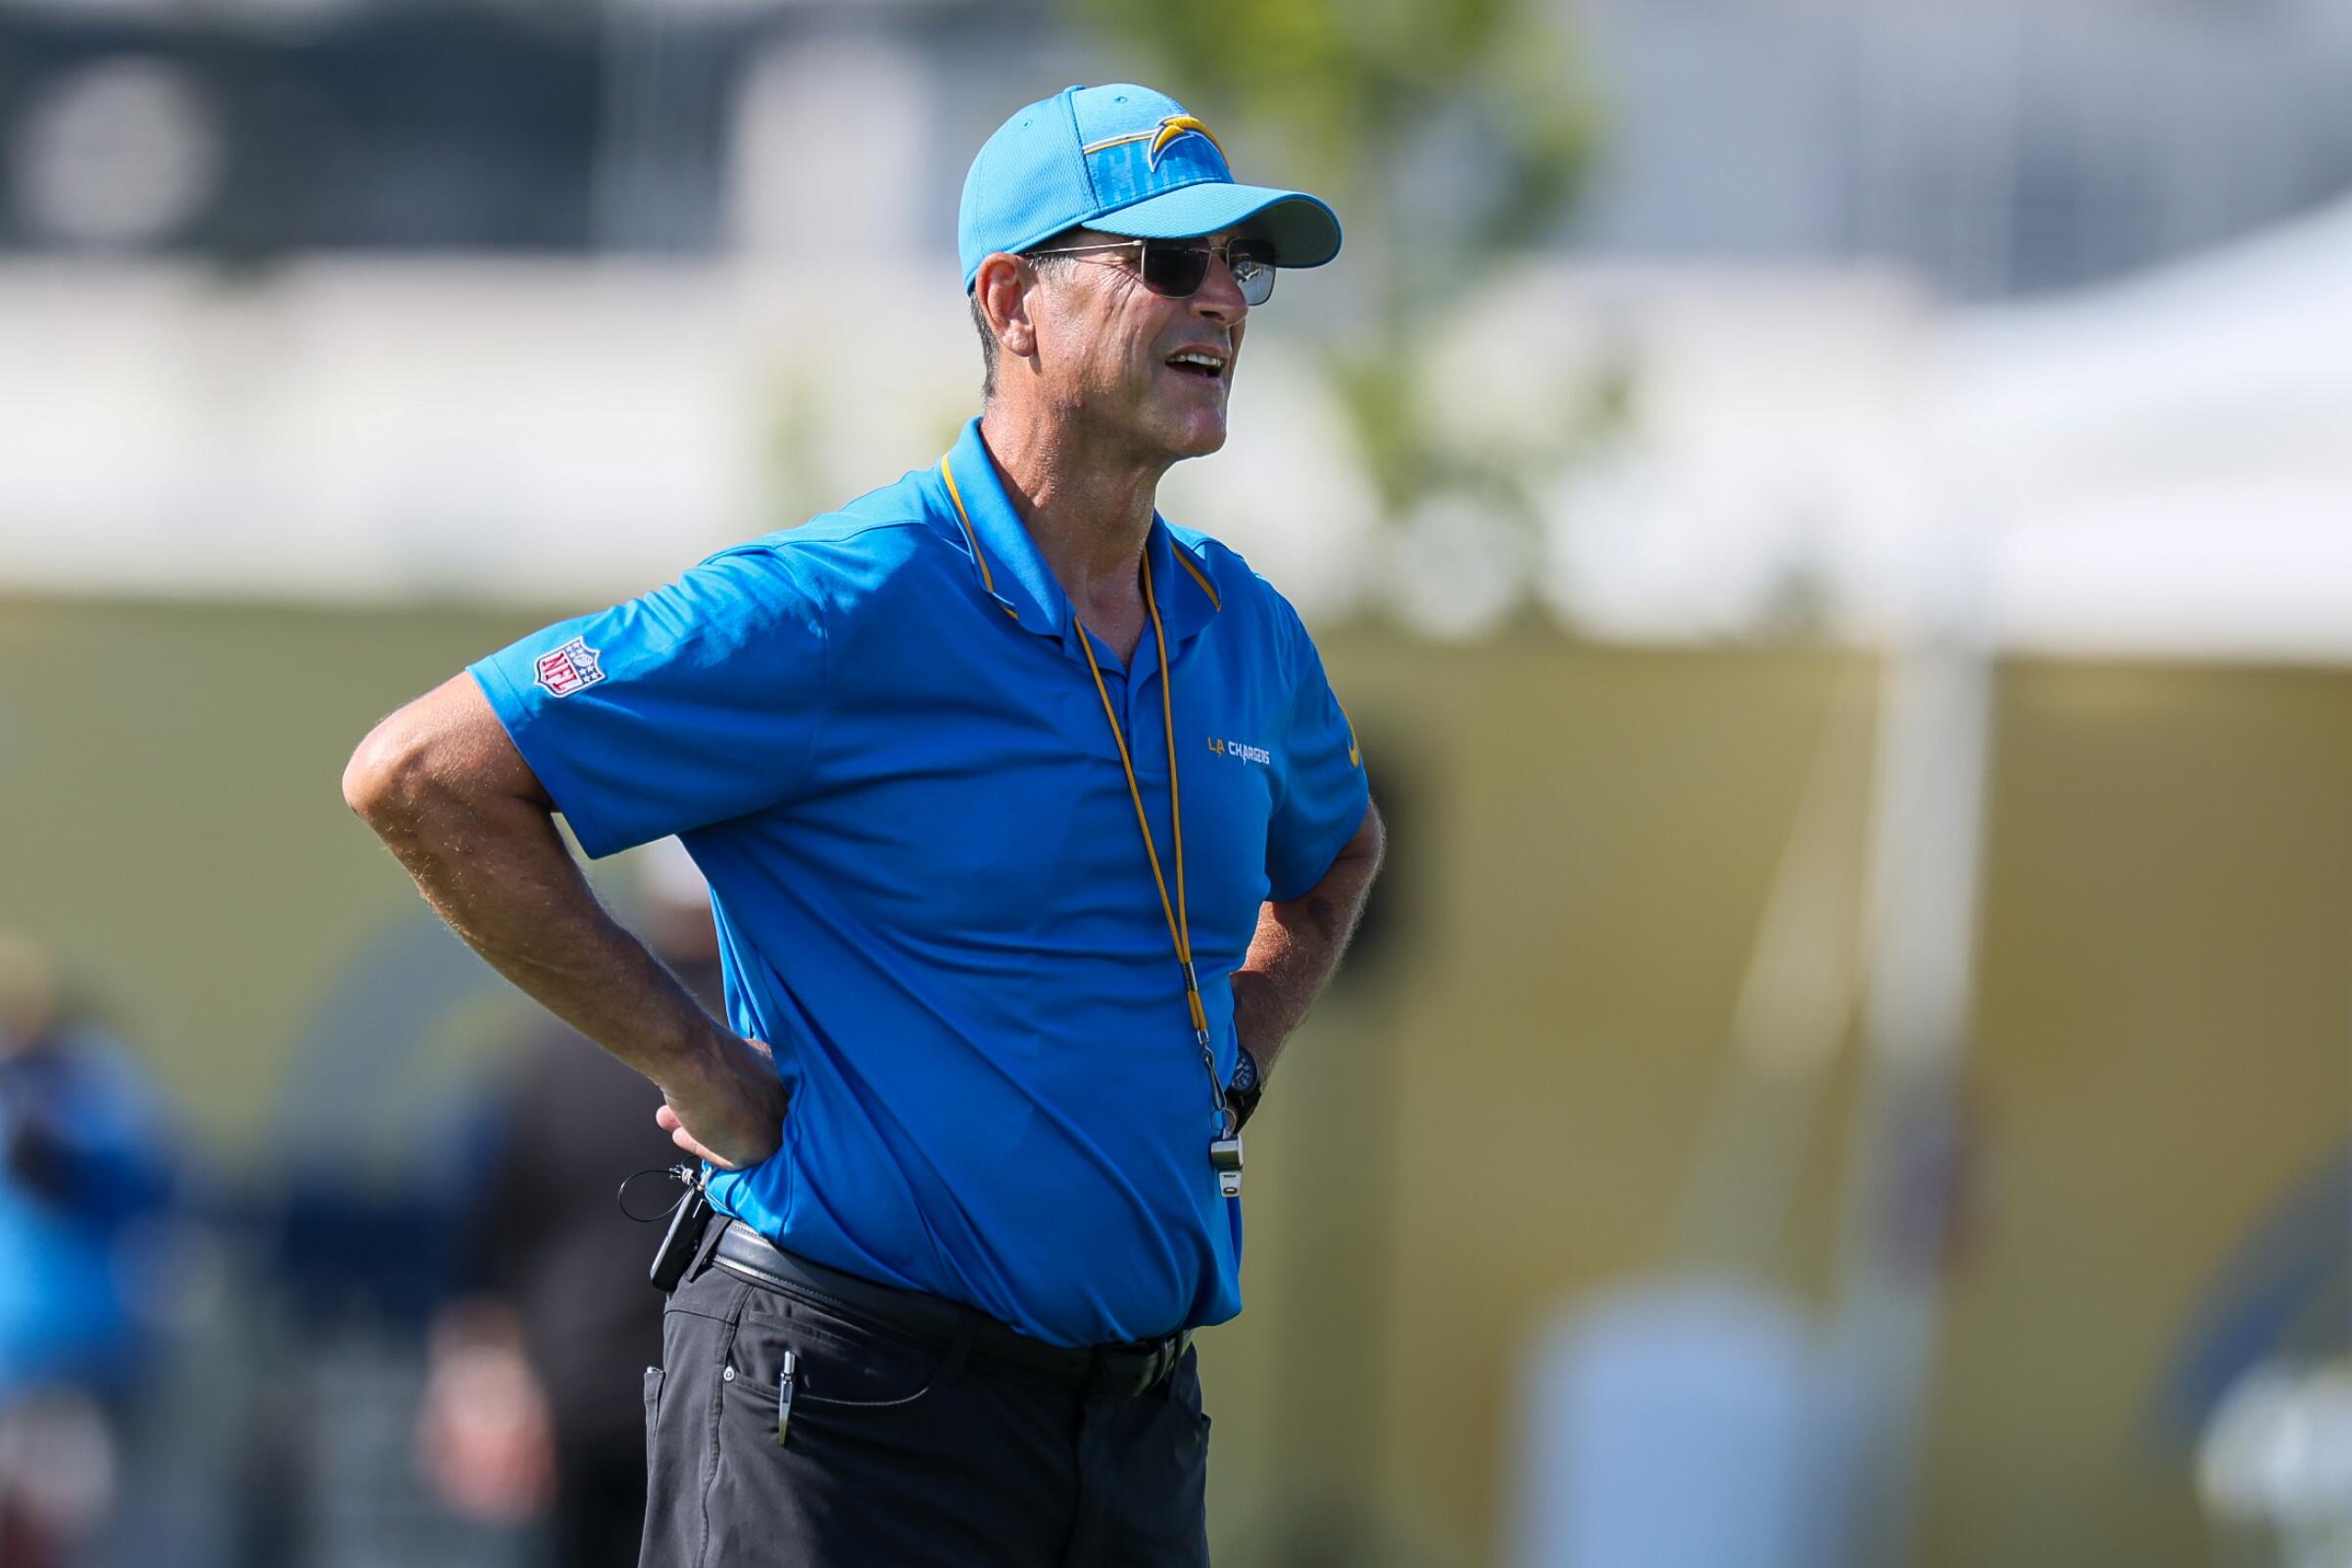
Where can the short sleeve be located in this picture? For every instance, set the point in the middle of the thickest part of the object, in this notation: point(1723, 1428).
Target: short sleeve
point(696, 702)
point(1321, 792)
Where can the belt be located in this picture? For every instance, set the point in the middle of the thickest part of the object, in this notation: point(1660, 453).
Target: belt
point(1104, 1371)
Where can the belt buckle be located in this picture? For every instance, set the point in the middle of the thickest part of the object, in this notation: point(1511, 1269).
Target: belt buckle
point(1100, 1382)
point(1130, 1371)
point(1122, 1371)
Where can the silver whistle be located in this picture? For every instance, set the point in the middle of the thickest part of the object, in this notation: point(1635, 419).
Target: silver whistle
point(1225, 1153)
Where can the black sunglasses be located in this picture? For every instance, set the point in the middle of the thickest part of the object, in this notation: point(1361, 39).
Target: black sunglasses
point(1177, 267)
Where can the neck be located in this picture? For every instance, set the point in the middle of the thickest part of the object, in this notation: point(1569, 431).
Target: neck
point(1088, 516)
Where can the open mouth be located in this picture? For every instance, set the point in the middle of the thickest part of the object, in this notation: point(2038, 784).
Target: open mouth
point(1199, 362)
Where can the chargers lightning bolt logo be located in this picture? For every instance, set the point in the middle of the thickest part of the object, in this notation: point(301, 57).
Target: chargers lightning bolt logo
point(1175, 126)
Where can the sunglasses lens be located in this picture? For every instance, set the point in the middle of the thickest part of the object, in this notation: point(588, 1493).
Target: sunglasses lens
point(1253, 263)
point(1179, 271)
point(1176, 271)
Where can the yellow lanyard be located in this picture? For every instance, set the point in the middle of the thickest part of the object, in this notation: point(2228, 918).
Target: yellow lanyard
point(1179, 917)
point(1225, 1149)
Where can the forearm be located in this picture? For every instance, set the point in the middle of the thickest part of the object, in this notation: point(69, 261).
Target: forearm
point(500, 875)
point(1297, 946)
point(441, 786)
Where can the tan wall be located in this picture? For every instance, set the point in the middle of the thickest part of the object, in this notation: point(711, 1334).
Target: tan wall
point(1501, 1107)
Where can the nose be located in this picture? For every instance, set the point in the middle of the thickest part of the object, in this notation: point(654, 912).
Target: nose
point(1219, 297)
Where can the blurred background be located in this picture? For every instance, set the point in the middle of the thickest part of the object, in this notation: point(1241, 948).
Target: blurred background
point(1833, 518)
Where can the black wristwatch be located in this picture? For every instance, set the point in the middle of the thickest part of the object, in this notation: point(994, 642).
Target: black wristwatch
point(1244, 1092)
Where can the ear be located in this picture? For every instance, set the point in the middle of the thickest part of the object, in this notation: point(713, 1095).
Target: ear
point(1001, 286)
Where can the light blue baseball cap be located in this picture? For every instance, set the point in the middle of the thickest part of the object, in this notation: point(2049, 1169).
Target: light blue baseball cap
point(1127, 161)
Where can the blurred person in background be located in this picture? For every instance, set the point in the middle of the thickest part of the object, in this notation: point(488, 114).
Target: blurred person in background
point(82, 1162)
point(1023, 978)
point(532, 1399)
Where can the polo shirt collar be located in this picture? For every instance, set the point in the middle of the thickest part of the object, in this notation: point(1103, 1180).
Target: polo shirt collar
point(1179, 582)
point(1007, 566)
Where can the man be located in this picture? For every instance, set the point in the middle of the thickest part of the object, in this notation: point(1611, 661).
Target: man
point(1031, 824)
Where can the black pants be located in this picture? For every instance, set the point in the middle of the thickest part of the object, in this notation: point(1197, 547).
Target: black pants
point(899, 1453)
point(600, 1501)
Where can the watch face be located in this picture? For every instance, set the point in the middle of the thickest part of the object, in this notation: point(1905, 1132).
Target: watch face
point(1244, 1071)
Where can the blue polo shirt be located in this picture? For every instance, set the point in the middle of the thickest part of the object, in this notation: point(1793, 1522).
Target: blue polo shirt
point(878, 737)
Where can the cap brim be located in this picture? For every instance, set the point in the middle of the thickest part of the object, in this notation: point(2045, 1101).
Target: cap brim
point(1304, 230)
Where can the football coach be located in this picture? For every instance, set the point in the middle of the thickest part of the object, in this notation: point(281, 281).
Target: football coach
point(1032, 827)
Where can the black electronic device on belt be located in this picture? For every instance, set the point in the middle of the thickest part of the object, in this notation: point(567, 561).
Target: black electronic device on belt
point(687, 1223)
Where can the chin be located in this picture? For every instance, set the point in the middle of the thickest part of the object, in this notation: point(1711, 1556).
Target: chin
point(1197, 438)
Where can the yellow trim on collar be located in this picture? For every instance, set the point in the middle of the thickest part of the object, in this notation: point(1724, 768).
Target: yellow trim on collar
point(987, 579)
point(1186, 561)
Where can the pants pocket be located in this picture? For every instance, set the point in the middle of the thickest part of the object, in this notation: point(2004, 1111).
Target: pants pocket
point(836, 1366)
point(1184, 1391)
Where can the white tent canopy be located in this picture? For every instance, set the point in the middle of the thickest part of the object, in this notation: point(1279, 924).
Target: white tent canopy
point(2162, 466)
point(2167, 465)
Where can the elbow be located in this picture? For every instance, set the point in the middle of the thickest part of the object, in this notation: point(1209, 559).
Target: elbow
point(441, 761)
point(389, 774)
point(1372, 839)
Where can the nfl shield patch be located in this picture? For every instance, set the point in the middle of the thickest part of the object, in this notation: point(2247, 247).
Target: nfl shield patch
point(570, 667)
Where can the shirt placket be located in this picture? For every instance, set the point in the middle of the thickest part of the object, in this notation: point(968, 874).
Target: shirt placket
point(1138, 705)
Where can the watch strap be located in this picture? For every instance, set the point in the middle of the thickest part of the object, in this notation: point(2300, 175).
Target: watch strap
point(1247, 1087)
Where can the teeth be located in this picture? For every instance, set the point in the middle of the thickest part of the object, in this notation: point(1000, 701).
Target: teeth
point(1189, 358)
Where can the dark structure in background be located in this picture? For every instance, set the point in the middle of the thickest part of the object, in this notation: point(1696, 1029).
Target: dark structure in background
point(382, 128)
point(1995, 150)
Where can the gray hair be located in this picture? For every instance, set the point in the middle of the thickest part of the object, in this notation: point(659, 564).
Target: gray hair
point(1047, 266)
